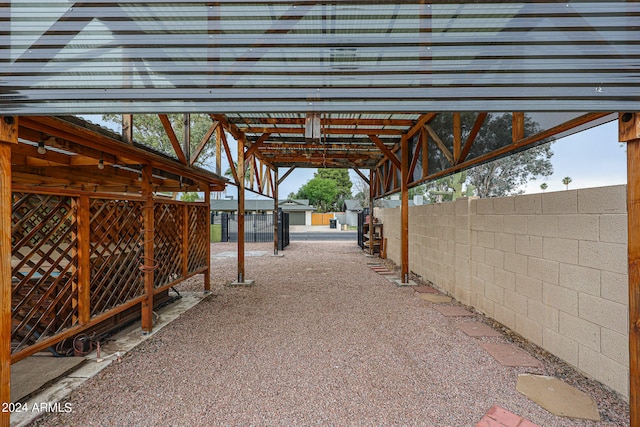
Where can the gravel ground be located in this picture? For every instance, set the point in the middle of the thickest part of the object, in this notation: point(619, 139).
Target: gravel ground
point(319, 340)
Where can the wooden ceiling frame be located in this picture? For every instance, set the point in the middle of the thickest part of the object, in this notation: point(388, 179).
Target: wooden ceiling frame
point(85, 157)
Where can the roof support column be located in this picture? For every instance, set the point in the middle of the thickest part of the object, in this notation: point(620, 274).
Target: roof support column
point(404, 214)
point(240, 171)
point(371, 216)
point(629, 132)
point(8, 136)
point(207, 274)
point(149, 237)
point(276, 217)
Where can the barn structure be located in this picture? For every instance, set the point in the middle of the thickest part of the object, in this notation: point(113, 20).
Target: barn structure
point(403, 89)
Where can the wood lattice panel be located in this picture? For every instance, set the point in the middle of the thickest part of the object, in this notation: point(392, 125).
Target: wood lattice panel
point(198, 238)
point(168, 243)
point(116, 253)
point(44, 267)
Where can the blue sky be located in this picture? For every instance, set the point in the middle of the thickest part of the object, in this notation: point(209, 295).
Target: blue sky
point(592, 158)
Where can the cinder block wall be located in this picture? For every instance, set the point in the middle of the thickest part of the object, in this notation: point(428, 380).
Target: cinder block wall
point(552, 267)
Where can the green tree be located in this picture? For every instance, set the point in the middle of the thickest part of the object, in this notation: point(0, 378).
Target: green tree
point(189, 197)
point(321, 192)
point(327, 197)
point(502, 177)
point(148, 130)
point(566, 181)
point(544, 186)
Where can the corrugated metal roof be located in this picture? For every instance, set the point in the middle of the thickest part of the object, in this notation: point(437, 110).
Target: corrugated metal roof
point(335, 57)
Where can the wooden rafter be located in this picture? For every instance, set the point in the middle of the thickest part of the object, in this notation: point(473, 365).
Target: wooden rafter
point(286, 174)
point(439, 143)
point(361, 175)
point(423, 120)
point(168, 128)
point(204, 141)
point(388, 154)
point(225, 144)
point(477, 125)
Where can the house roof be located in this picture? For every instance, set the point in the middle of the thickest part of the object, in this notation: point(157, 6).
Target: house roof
point(231, 205)
point(352, 205)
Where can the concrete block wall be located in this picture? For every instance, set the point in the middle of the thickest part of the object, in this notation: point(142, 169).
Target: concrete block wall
point(552, 267)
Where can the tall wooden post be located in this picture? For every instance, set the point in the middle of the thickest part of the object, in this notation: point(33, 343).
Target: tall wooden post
point(275, 212)
point(371, 215)
point(84, 264)
point(207, 274)
point(404, 213)
point(8, 136)
point(629, 132)
point(240, 172)
point(149, 264)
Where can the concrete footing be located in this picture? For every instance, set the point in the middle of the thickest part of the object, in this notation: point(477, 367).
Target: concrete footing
point(245, 283)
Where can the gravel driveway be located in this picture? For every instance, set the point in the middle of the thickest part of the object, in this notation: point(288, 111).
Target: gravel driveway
point(319, 340)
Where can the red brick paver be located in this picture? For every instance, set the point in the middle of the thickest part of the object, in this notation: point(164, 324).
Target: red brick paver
point(500, 417)
point(478, 329)
point(510, 355)
point(453, 311)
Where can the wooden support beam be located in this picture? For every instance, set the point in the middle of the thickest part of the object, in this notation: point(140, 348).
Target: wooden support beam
point(185, 240)
point(286, 174)
point(361, 175)
point(404, 213)
point(423, 120)
point(207, 274)
point(166, 124)
point(414, 160)
point(424, 141)
point(629, 132)
point(259, 142)
point(227, 150)
point(203, 143)
point(149, 262)
point(472, 137)
point(388, 154)
point(275, 214)
point(240, 172)
point(127, 128)
point(371, 245)
point(517, 127)
point(83, 215)
point(186, 137)
point(219, 133)
point(439, 143)
point(457, 135)
point(8, 137)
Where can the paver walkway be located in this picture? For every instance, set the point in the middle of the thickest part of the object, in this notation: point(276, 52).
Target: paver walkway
point(321, 339)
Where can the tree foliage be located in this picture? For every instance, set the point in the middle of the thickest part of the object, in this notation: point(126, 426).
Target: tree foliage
point(148, 130)
point(321, 193)
point(328, 189)
point(501, 177)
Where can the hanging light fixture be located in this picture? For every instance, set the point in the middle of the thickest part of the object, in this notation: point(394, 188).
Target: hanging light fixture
point(41, 148)
point(101, 163)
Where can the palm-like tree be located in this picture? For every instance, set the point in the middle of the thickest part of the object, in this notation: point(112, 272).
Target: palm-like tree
point(544, 186)
point(566, 181)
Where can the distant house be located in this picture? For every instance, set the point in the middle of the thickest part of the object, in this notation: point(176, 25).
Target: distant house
point(351, 210)
point(299, 210)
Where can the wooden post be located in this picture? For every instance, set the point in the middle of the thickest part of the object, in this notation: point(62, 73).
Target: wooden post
point(84, 263)
point(186, 137)
point(185, 240)
point(275, 212)
point(629, 132)
point(371, 215)
point(404, 213)
point(127, 128)
point(517, 129)
point(240, 172)
point(219, 150)
point(8, 136)
point(149, 263)
point(207, 274)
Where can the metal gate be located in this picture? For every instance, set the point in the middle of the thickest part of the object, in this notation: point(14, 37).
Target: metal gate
point(257, 228)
